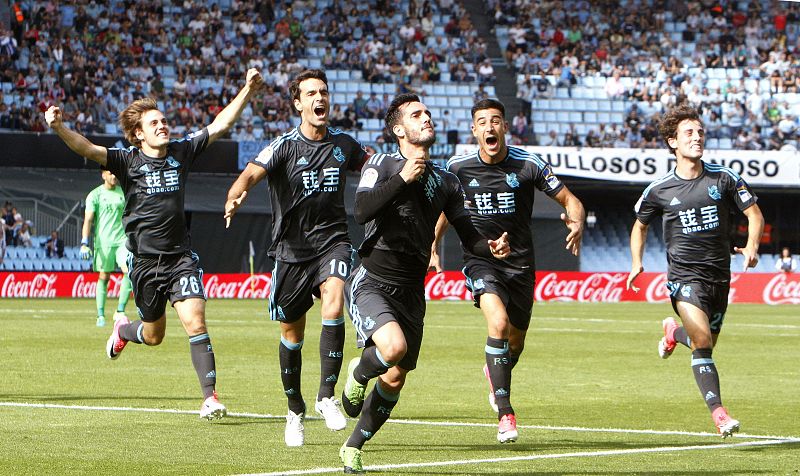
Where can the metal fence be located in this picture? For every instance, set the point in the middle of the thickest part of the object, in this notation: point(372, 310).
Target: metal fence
point(45, 218)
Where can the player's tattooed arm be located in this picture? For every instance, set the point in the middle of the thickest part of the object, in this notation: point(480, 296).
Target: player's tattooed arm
point(76, 142)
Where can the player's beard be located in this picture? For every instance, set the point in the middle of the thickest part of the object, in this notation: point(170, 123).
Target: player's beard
point(417, 138)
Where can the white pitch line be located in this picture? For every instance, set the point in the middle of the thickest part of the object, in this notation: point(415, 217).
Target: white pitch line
point(396, 421)
point(580, 454)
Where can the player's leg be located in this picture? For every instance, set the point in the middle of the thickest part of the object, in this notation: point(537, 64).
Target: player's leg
point(290, 300)
point(699, 327)
point(150, 298)
point(103, 263)
point(101, 293)
point(192, 314)
point(372, 314)
point(377, 410)
point(122, 256)
point(331, 352)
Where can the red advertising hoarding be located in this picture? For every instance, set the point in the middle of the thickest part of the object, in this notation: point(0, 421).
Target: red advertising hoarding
point(763, 288)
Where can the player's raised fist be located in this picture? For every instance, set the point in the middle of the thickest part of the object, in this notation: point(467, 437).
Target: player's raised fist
point(53, 116)
point(254, 79)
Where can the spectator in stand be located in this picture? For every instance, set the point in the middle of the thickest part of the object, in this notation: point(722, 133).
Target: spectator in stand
point(786, 263)
point(360, 105)
point(519, 125)
point(614, 87)
point(22, 236)
point(54, 246)
point(373, 106)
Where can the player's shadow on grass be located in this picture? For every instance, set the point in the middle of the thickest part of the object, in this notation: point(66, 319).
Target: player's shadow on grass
point(30, 398)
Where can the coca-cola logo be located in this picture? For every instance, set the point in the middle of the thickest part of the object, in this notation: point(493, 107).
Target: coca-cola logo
point(439, 286)
point(253, 287)
point(657, 289)
point(782, 289)
point(595, 287)
point(81, 288)
point(41, 285)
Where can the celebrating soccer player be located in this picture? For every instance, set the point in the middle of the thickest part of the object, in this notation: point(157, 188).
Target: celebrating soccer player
point(104, 208)
point(500, 182)
point(306, 170)
point(153, 174)
point(399, 197)
point(696, 201)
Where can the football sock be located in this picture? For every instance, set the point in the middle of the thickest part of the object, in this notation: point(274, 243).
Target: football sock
point(370, 366)
point(682, 337)
point(331, 345)
point(705, 374)
point(203, 361)
point(132, 332)
point(124, 293)
point(100, 296)
point(377, 409)
point(291, 359)
point(499, 365)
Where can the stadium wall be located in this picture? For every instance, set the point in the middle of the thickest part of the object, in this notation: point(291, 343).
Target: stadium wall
point(762, 288)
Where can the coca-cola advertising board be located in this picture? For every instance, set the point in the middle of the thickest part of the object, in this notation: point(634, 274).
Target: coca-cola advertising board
point(763, 288)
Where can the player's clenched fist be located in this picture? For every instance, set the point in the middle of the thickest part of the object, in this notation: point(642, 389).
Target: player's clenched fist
point(254, 78)
point(412, 169)
point(53, 116)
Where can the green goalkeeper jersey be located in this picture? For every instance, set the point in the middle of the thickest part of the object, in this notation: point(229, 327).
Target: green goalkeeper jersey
point(108, 207)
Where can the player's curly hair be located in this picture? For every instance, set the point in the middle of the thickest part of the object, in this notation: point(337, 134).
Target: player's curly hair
point(130, 118)
point(393, 111)
point(294, 86)
point(668, 127)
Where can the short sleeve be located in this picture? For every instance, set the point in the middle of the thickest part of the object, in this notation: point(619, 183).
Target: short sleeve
point(91, 201)
point(195, 143)
point(272, 155)
point(357, 157)
point(742, 195)
point(646, 209)
point(117, 162)
point(546, 180)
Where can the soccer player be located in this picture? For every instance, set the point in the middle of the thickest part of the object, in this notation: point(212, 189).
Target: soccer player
point(153, 174)
point(104, 208)
point(399, 197)
point(499, 182)
point(696, 201)
point(306, 170)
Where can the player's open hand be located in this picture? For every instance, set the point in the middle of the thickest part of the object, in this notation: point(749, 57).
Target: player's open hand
point(53, 117)
point(635, 272)
point(412, 169)
point(575, 235)
point(231, 206)
point(254, 79)
point(750, 257)
point(500, 248)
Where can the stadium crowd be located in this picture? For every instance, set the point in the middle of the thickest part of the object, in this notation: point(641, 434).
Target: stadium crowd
point(559, 44)
point(93, 58)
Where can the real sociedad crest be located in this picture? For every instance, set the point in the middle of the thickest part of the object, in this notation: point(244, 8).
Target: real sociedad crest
point(338, 154)
point(713, 192)
point(511, 180)
point(172, 162)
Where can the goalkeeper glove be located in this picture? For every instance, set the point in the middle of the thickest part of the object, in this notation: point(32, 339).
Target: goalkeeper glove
point(86, 252)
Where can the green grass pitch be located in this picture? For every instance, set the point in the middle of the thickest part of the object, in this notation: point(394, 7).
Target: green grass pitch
point(586, 368)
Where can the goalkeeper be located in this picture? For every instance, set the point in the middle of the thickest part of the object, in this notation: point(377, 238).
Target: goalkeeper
point(104, 207)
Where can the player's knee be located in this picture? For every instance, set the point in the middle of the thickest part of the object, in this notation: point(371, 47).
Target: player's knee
point(102, 276)
point(152, 338)
point(394, 351)
point(703, 342)
point(393, 383)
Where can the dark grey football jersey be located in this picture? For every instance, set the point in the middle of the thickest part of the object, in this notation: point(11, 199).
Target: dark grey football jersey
point(500, 198)
point(154, 194)
point(306, 186)
point(405, 229)
point(696, 218)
